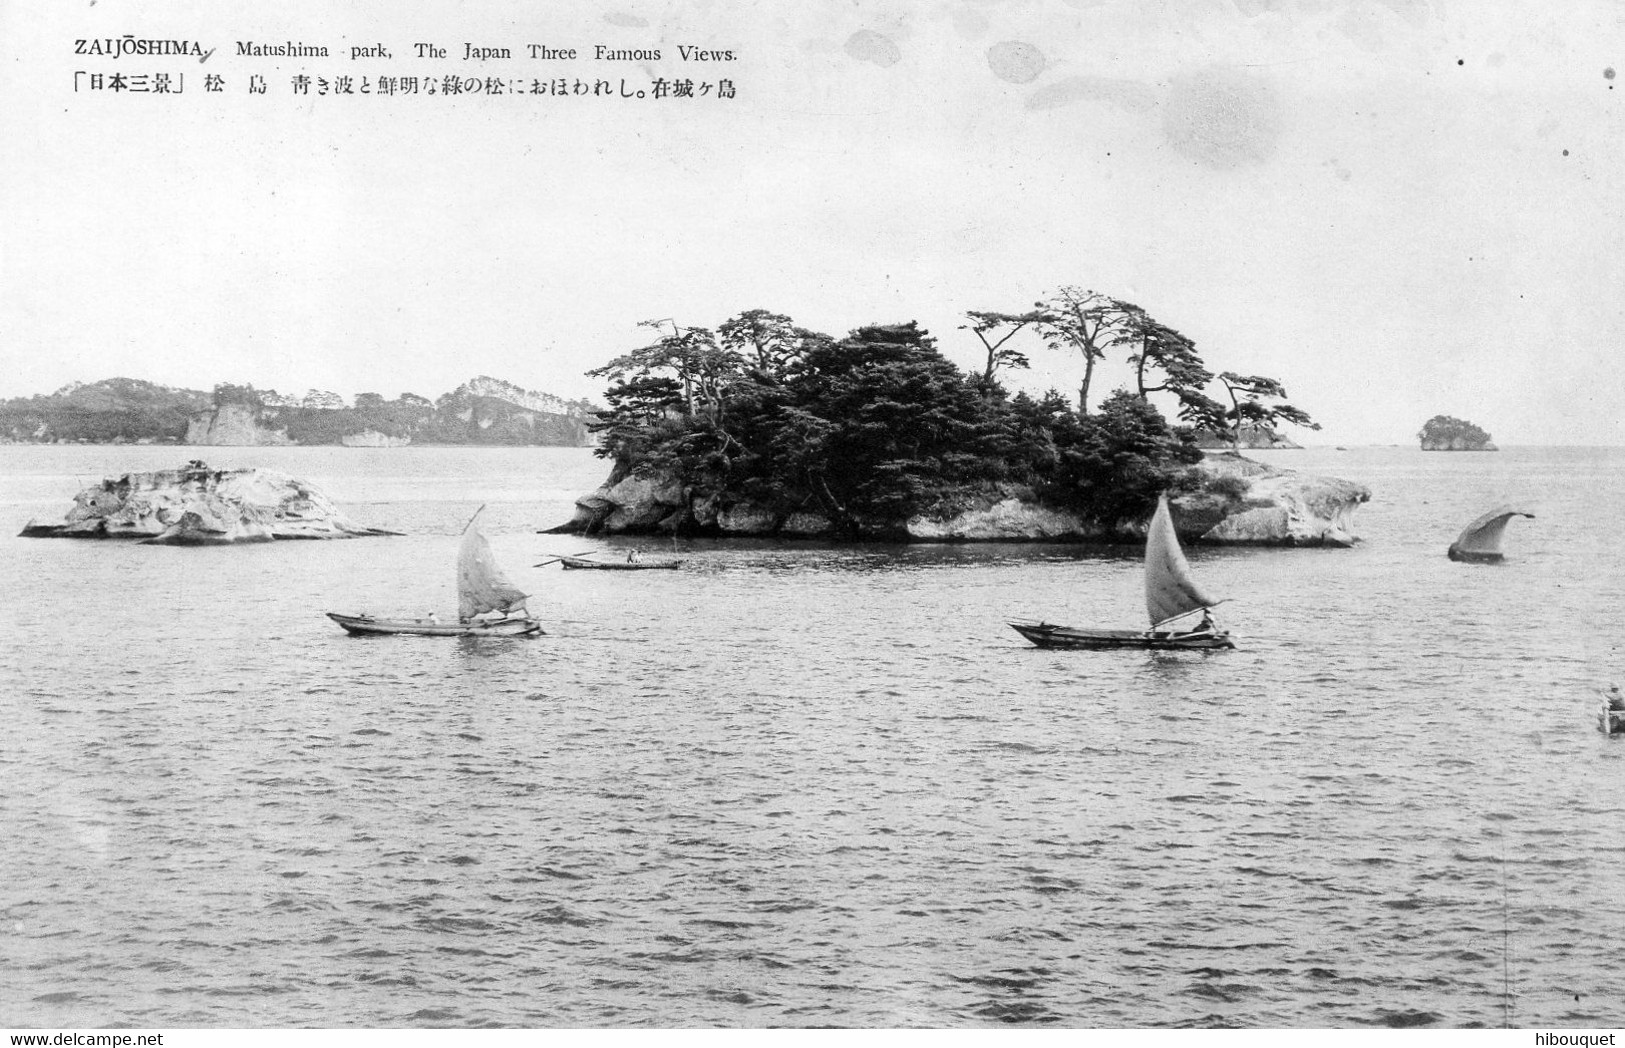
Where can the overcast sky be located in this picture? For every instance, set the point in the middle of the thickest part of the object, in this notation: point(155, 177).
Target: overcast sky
point(1400, 208)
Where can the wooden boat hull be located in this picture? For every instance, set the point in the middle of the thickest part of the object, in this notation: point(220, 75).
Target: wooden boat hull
point(577, 564)
point(1047, 636)
point(367, 626)
point(1468, 556)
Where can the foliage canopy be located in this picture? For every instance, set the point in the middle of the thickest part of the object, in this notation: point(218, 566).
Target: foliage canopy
point(873, 428)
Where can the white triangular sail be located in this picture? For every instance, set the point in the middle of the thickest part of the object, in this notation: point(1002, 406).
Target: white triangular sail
point(1169, 591)
point(1483, 535)
point(481, 585)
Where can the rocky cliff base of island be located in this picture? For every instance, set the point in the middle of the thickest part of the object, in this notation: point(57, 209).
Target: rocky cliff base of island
point(1226, 498)
point(1457, 444)
point(199, 506)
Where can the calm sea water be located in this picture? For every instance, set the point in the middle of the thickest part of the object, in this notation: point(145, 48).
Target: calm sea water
point(796, 784)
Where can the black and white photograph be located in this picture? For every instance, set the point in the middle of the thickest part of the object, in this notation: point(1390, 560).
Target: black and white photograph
point(974, 515)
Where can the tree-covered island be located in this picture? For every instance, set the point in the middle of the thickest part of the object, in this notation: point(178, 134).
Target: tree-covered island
point(1448, 433)
point(762, 426)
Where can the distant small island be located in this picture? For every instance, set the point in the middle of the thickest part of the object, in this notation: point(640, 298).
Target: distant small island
point(482, 411)
point(1447, 433)
point(763, 427)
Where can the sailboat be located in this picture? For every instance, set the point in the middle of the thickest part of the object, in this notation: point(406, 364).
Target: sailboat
point(488, 605)
point(1480, 543)
point(1170, 594)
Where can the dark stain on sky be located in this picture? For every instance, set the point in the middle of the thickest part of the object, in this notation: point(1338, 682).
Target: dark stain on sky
point(1015, 61)
point(1223, 118)
point(866, 45)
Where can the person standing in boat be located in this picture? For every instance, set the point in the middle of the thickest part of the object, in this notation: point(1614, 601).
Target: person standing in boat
point(631, 556)
point(1206, 625)
point(1612, 718)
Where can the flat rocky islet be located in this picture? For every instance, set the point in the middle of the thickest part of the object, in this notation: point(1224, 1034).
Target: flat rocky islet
point(199, 506)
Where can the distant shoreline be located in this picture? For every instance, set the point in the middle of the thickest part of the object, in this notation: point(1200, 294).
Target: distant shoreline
point(481, 411)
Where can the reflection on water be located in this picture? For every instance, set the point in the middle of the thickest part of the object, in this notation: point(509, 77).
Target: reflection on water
point(794, 784)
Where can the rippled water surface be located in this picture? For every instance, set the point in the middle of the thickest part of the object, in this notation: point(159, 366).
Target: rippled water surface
point(797, 784)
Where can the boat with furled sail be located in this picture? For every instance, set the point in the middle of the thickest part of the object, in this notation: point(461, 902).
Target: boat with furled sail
point(1480, 542)
point(1170, 595)
point(584, 564)
point(488, 605)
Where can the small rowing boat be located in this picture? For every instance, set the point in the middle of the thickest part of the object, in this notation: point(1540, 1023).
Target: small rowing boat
point(584, 564)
